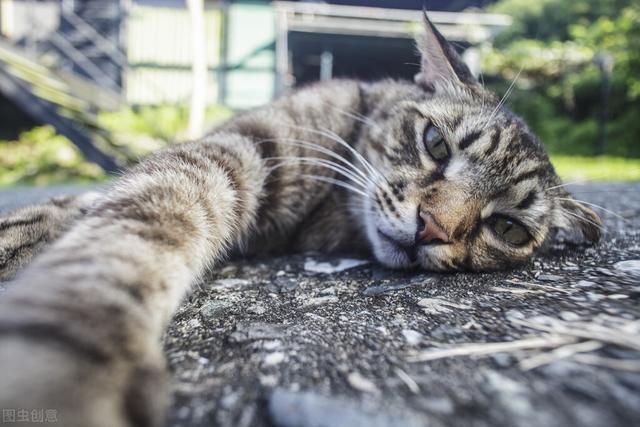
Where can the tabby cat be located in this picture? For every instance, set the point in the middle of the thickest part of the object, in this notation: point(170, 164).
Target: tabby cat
point(433, 173)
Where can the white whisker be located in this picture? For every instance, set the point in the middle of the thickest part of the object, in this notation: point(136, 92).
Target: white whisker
point(593, 205)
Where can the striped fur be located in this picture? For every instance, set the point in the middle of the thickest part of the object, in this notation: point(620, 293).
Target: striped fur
point(80, 327)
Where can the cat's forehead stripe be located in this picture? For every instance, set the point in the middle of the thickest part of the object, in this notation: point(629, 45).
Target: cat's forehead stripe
point(531, 174)
point(495, 140)
point(469, 139)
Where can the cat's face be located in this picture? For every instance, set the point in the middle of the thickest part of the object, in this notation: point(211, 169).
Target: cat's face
point(467, 186)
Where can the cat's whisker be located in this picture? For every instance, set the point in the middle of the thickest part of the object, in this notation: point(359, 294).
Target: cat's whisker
point(327, 164)
point(360, 157)
point(321, 149)
point(587, 220)
point(336, 182)
point(593, 205)
point(334, 137)
point(505, 97)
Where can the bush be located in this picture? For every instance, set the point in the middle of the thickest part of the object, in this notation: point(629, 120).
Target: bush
point(40, 157)
point(552, 45)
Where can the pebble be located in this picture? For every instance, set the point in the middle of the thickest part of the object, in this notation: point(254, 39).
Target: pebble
point(257, 331)
point(412, 337)
point(320, 301)
point(391, 287)
point(439, 405)
point(569, 316)
point(257, 309)
point(214, 309)
point(549, 277)
point(360, 383)
point(631, 267)
point(585, 284)
point(333, 267)
point(231, 283)
point(283, 284)
point(440, 306)
point(274, 358)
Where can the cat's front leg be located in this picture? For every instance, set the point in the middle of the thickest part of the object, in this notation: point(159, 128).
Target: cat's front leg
point(24, 232)
point(80, 328)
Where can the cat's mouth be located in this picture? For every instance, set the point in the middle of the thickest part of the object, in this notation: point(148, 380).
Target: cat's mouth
point(411, 251)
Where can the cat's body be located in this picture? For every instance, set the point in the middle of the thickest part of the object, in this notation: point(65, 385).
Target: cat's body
point(432, 174)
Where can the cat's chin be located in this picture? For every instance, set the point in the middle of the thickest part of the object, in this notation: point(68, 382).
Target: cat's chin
point(393, 256)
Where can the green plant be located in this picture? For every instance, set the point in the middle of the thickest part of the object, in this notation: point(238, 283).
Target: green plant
point(40, 157)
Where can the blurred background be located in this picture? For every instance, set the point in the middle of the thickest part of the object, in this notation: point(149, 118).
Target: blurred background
point(89, 86)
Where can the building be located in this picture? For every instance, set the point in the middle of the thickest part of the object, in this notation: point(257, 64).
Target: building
point(63, 61)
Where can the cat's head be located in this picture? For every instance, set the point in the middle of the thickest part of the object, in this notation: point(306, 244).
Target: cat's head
point(466, 185)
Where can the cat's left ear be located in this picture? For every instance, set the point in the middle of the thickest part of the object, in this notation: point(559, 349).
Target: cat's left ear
point(577, 221)
point(440, 65)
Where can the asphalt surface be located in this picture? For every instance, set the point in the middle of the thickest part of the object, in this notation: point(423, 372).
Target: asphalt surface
point(292, 342)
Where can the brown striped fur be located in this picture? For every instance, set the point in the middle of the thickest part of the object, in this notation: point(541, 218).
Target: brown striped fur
point(80, 327)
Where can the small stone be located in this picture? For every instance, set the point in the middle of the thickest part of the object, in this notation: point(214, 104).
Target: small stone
point(214, 309)
point(439, 405)
point(230, 400)
point(257, 309)
point(585, 284)
point(268, 380)
point(592, 296)
point(391, 287)
point(272, 344)
point(194, 323)
point(440, 306)
point(549, 277)
point(333, 267)
point(274, 358)
point(285, 284)
point(257, 331)
point(328, 291)
point(412, 337)
point(231, 283)
point(569, 316)
point(631, 267)
point(360, 383)
point(320, 301)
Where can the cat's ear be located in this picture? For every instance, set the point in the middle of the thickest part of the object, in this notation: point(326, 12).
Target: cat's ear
point(577, 222)
point(440, 63)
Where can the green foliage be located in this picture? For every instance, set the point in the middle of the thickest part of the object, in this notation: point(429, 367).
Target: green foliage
point(40, 157)
point(602, 168)
point(552, 45)
point(146, 129)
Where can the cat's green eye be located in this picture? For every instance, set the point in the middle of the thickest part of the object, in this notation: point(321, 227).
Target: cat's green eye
point(435, 144)
point(510, 231)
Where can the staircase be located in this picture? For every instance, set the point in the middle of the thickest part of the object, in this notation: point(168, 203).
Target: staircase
point(82, 76)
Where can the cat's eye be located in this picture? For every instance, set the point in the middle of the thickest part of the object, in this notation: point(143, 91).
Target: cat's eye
point(435, 144)
point(510, 230)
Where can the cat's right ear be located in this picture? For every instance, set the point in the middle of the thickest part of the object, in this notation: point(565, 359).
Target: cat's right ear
point(441, 65)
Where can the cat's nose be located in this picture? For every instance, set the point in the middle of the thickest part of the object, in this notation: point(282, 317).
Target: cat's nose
point(429, 231)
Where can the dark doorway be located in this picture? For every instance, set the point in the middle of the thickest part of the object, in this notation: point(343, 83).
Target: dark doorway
point(362, 57)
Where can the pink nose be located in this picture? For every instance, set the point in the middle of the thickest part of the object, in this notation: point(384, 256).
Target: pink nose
point(429, 231)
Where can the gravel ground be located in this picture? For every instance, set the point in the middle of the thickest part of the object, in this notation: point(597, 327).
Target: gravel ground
point(312, 341)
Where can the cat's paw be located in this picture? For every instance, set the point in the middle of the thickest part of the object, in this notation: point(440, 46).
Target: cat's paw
point(25, 231)
point(76, 389)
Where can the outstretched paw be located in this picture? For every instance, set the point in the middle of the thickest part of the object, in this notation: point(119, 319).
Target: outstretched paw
point(25, 231)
